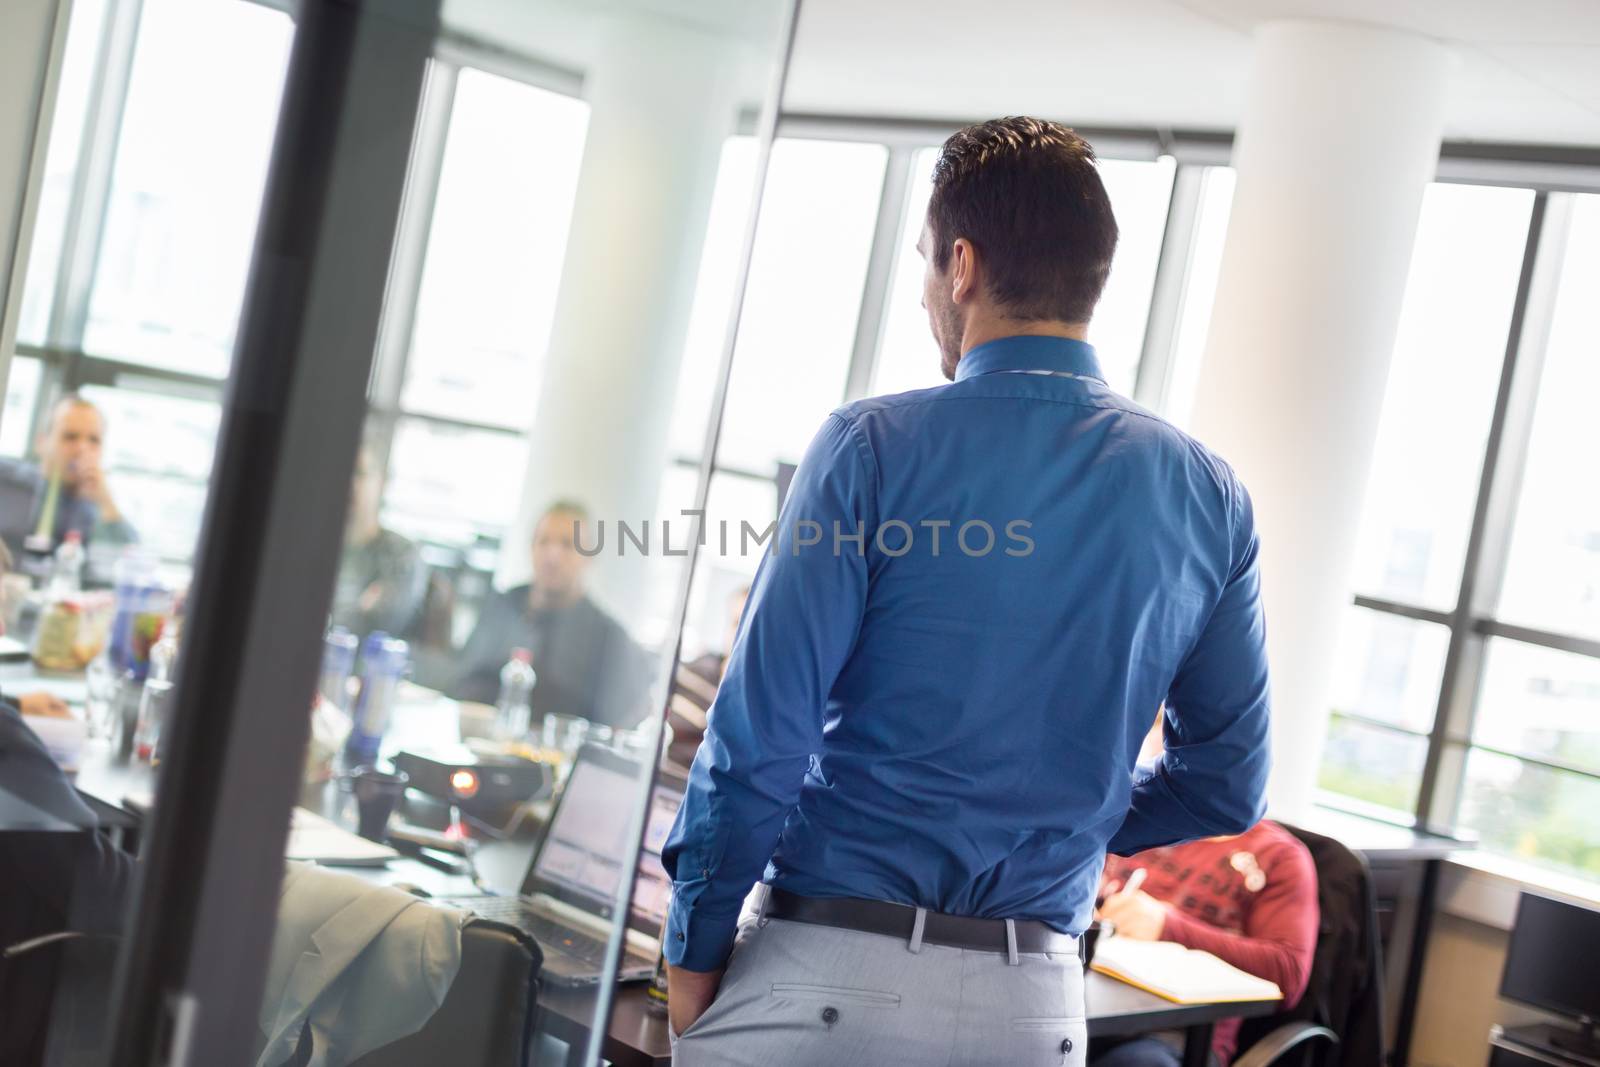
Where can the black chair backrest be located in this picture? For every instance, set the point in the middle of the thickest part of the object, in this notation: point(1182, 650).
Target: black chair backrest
point(1345, 989)
point(487, 1018)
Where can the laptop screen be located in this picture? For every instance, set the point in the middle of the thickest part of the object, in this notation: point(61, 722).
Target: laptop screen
point(586, 844)
point(652, 889)
point(584, 848)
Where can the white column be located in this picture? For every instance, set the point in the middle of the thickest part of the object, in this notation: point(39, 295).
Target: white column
point(1339, 138)
point(663, 99)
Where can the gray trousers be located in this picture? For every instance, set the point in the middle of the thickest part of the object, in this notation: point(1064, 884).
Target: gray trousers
point(815, 996)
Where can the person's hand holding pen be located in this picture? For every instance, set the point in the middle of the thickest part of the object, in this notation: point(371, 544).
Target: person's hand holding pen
point(1133, 912)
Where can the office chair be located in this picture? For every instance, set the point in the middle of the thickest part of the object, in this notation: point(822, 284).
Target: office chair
point(1338, 1023)
point(487, 1018)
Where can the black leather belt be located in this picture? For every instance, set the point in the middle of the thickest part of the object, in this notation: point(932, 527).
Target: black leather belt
point(900, 920)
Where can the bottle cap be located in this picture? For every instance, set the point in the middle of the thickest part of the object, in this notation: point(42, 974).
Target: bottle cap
point(522, 655)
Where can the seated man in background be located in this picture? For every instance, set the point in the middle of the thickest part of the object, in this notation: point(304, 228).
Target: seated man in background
point(1250, 900)
point(585, 662)
point(69, 454)
point(381, 577)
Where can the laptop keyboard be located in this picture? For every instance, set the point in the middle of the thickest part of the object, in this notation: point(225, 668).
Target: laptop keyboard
point(514, 912)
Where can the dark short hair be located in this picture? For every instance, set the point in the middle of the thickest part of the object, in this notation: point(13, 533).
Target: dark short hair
point(1028, 196)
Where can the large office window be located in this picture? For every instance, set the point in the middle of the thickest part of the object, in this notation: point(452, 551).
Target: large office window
point(75, 98)
point(495, 251)
point(801, 301)
point(1532, 760)
point(1423, 486)
point(1519, 767)
point(146, 222)
point(1214, 205)
point(1552, 577)
point(1442, 381)
point(494, 246)
point(800, 309)
point(186, 188)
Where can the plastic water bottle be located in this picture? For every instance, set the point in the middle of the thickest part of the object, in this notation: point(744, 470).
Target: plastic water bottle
point(338, 663)
point(384, 661)
point(517, 679)
point(156, 698)
point(142, 602)
point(66, 575)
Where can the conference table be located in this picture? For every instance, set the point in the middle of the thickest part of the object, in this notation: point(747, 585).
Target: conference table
point(634, 1036)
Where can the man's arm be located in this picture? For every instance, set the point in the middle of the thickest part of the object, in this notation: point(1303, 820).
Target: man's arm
point(1279, 938)
point(804, 612)
point(1212, 778)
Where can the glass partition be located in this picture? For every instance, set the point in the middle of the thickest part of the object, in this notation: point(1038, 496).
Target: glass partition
point(514, 558)
point(451, 640)
point(155, 157)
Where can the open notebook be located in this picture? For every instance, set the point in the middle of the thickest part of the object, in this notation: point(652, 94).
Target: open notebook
point(1179, 974)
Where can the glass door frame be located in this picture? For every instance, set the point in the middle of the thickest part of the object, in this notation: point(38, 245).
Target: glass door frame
point(190, 978)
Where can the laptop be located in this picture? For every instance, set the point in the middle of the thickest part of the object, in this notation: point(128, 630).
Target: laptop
point(568, 896)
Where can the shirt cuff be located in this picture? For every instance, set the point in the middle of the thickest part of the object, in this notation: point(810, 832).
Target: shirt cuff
point(697, 942)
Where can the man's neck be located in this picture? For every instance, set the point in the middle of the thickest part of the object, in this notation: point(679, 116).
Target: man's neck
point(541, 600)
point(980, 331)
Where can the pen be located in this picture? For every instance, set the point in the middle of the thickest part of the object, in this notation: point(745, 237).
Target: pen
point(1135, 880)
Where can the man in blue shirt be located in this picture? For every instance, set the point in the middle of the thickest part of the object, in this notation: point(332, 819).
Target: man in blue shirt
point(978, 596)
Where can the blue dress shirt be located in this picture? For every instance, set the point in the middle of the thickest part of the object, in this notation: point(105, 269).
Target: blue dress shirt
point(977, 599)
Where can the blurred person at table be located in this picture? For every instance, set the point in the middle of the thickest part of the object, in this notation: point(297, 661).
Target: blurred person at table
point(381, 576)
point(53, 881)
point(40, 703)
point(694, 687)
point(1249, 899)
point(67, 490)
point(585, 662)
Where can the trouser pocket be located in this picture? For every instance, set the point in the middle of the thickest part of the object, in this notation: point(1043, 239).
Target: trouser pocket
point(1065, 1039)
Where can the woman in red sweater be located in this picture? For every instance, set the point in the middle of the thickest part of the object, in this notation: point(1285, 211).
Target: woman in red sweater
point(1249, 899)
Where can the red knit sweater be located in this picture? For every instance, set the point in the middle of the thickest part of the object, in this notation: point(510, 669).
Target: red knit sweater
point(1250, 899)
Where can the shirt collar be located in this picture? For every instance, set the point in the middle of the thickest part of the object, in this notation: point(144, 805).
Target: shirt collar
point(1030, 353)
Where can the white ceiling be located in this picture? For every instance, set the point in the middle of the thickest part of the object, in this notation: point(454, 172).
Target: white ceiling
point(1529, 70)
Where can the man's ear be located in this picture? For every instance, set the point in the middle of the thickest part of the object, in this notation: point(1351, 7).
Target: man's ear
point(964, 271)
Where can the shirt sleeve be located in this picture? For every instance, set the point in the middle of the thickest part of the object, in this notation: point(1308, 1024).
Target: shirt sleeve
point(1212, 778)
point(799, 626)
point(1279, 939)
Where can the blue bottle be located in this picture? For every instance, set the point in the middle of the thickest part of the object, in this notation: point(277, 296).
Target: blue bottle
point(384, 661)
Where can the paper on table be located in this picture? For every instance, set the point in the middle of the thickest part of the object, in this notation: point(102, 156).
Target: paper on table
point(1182, 975)
point(63, 738)
point(313, 838)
